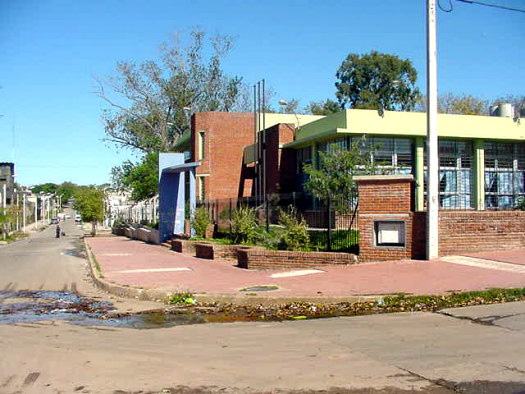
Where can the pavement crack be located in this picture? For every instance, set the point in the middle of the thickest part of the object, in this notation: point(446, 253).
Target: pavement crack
point(438, 382)
point(484, 321)
point(514, 369)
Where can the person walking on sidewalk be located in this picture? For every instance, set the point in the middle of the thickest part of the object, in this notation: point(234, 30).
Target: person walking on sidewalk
point(58, 231)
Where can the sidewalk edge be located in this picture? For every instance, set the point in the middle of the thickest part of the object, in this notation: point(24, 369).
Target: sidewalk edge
point(238, 299)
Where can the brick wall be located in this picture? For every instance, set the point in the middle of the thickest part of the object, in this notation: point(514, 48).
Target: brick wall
point(279, 259)
point(183, 246)
point(225, 136)
point(280, 163)
point(475, 231)
point(388, 198)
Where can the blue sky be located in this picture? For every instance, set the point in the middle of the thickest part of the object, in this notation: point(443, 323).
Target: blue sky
point(51, 49)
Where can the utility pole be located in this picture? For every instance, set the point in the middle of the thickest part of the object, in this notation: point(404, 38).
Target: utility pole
point(432, 137)
point(24, 212)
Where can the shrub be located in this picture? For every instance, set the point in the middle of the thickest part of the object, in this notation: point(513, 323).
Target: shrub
point(295, 235)
point(521, 203)
point(201, 219)
point(243, 225)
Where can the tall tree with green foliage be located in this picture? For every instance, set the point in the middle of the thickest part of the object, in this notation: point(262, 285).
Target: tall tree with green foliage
point(89, 203)
point(151, 103)
point(334, 179)
point(377, 81)
point(326, 107)
point(141, 179)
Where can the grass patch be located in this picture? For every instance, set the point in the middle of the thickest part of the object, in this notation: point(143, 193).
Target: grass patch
point(97, 267)
point(184, 298)
point(433, 303)
point(219, 312)
point(342, 240)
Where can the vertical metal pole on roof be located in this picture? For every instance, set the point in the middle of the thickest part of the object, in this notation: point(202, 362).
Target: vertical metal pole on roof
point(259, 145)
point(255, 120)
point(432, 137)
point(265, 192)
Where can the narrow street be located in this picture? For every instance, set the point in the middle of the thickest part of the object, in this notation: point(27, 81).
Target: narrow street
point(476, 349)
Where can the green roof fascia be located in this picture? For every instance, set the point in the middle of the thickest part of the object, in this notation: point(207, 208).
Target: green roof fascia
point(327, 123)
point(183, 142)
point(408, 124)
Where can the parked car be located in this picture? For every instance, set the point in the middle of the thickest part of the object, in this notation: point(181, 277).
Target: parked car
point(54, 220)
point(78, 218)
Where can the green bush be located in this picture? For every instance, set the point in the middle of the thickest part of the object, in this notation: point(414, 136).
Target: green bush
point(244, 225)
point(295, 235)
point(201, 220)
point(521, 203)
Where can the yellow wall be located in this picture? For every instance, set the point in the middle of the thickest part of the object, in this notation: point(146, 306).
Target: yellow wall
point(413, 124)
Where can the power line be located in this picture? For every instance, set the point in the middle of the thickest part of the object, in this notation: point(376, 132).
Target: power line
point(492, 5)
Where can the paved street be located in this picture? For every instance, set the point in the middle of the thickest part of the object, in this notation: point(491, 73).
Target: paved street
point(476, 349)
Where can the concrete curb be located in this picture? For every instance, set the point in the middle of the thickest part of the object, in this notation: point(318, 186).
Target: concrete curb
point(237, 299)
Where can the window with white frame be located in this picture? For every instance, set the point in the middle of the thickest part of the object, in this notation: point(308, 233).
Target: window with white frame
point(504, 174)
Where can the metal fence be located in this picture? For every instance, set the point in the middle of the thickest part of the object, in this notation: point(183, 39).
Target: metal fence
point(331, 224)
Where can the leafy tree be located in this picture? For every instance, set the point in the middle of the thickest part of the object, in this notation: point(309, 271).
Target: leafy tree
point(151, 102)
point(334, 178)
point(89, 202)
point(327, 107)
point(66, 189)
point(141, 179)
point(377, 81)
point(45, 188)
point(461, 104)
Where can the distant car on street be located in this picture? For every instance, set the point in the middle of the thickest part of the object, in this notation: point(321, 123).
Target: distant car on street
point(78, 218)
point(54, 220)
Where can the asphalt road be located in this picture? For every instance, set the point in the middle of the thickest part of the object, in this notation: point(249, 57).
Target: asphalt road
point(477, 349)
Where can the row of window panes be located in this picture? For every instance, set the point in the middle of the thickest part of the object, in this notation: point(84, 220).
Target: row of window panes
point(389, 152)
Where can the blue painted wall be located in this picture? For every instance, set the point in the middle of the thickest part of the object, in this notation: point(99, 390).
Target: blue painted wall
point(171, 196)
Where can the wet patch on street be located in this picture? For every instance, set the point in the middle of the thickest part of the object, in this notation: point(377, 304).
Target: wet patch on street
point(260, 288)
point(34, 306)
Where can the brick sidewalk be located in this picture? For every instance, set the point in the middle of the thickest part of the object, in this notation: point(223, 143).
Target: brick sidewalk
point(134, 263)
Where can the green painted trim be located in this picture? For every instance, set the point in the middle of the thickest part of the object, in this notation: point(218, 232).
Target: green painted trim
point(419, 169)
point(335, 121)
point(479, 175)
point(411, 124)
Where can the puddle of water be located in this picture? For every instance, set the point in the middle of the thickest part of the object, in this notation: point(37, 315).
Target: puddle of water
point(35, 306)
point(260, 288)
point(73, 252)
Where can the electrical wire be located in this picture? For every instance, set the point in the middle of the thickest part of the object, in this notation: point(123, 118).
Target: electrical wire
point(492, 5)
point(450, 6)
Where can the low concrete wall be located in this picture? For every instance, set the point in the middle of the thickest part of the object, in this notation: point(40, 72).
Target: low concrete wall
point(130, 232)
point(154, 236)
point(274, 259)
point(143, 234)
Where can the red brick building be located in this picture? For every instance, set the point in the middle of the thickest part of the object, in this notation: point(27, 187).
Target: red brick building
point(222, 142)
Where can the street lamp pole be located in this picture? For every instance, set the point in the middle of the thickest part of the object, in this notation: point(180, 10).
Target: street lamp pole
point(432, 137)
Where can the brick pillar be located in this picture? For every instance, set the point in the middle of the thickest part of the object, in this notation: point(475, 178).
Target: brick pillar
point(388, 228)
